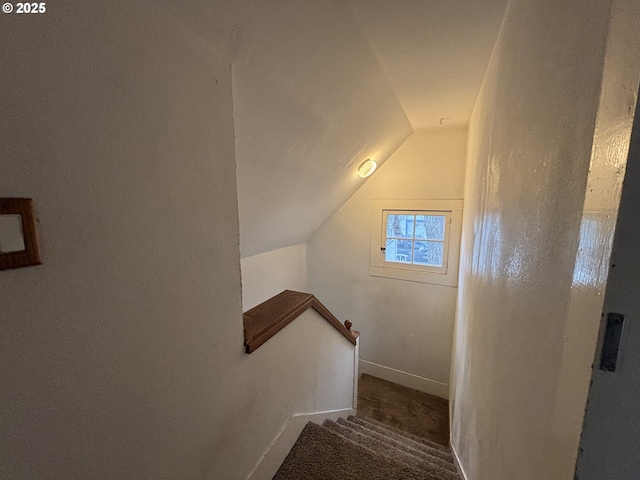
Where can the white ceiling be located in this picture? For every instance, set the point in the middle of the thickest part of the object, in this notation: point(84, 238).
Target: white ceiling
point(434, 53)
point(321, 85)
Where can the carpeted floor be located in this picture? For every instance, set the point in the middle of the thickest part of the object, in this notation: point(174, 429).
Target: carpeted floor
point(358, 448)
point(410, 410)
point(398, 434)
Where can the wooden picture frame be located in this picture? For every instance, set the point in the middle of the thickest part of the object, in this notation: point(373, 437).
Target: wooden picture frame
point(31, 253)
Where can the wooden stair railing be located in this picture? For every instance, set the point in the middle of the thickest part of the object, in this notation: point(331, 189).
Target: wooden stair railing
point(265, 320)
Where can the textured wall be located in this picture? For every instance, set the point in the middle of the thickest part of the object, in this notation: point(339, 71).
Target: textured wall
point(404, 325)
point(529, 153)
point(612, 426)
point(121, 357)
point(612, 151)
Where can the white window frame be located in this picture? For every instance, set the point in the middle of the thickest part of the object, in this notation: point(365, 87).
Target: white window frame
point(413, 240)
point(447, 274)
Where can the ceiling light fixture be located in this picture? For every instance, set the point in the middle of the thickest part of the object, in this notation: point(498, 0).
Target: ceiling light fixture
point(366, 168)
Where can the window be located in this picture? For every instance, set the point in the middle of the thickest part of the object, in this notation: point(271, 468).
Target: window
point(417, 240)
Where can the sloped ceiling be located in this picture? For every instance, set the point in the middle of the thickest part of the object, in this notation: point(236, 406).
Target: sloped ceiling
point(434, 53)
point(322, 85)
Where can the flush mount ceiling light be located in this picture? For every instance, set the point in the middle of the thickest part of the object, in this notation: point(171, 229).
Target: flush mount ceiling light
point(366, 168)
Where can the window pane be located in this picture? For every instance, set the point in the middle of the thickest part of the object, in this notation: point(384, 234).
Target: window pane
point(430, 227)
point(400, 226)
point(398, 251)
point(429, 253)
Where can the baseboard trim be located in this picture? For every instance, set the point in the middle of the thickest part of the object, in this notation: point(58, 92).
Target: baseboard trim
point(280, 447)
point(456, 459)
point(432, 387)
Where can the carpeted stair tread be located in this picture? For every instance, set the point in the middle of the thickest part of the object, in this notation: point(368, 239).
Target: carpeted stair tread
point(403, 433)
point(321, 454)
point(389, 452)
point(439, 452)
point(407, 446)
point(437, 468)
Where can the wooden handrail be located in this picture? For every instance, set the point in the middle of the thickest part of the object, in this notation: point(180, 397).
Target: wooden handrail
point(264, 321)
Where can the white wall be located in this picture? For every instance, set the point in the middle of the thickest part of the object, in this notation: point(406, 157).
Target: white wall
point(610, 436)
point(529, 155)
point(307, 367)
point(267, 274)
point(621, 77)
point(122, 355)
point(612, 425)
point(405, 326)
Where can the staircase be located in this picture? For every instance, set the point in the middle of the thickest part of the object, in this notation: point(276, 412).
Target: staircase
point(362, 448)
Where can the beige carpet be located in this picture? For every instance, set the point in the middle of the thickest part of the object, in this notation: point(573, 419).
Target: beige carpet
point(361, 449)
point(409, 410)
point(399, 434)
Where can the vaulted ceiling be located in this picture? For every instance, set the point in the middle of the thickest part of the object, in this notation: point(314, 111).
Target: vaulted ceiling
point(321, 85)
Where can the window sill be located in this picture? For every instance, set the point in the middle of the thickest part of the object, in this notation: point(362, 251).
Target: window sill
point(415, 276)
